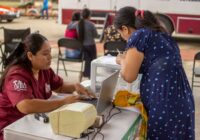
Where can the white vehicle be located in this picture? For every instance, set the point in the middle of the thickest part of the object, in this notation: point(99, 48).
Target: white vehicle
point(181, 16)
point(8, 13)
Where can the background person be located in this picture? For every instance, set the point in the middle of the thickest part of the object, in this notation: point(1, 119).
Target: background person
point(87, 33)
point(45, 10)
point(71, 32)
point(164, 88)
point(28, 82)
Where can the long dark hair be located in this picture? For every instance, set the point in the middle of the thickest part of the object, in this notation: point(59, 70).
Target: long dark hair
point(33, 44)
point(144, 19)
point(81, 29)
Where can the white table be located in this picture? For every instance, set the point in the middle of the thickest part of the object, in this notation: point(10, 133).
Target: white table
point(28, 128)
point(103, 61)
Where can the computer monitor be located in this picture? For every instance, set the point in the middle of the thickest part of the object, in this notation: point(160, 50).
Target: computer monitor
point(107, 92)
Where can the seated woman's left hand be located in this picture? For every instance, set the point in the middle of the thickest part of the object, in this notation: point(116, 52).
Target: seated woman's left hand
point(83, 91)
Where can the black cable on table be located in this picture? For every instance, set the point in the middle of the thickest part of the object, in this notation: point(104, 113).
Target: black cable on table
point(107, 119)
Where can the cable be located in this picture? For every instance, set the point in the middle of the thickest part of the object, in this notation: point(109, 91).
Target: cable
point(102, 135)
point(105, 121)
point(119, 111)
point(83, 135)
point(98, 131)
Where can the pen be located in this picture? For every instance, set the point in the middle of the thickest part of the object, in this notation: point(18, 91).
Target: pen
point(118, 51)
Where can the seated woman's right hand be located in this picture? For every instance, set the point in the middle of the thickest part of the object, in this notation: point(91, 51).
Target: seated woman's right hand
point(71, 99)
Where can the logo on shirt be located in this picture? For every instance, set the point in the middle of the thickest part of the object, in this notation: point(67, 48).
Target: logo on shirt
point(19, 85)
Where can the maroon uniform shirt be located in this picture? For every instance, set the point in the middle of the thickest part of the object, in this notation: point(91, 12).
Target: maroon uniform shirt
point(19, 85)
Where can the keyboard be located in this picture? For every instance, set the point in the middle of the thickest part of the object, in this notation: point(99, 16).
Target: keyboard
point(87, 99)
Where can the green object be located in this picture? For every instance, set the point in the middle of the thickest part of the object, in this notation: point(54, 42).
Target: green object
point(132, 100)
point(130, 134)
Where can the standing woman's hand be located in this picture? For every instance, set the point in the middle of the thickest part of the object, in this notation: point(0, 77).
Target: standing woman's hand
point(120, 57)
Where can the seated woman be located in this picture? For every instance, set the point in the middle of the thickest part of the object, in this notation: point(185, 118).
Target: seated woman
point(71, 32)
point(28, 82)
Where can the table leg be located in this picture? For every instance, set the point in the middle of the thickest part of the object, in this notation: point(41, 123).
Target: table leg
point(93, 77)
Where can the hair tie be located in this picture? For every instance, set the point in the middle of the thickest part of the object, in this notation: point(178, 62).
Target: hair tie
point(139, 13)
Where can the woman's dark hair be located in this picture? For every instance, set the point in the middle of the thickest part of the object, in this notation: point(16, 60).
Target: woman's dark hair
point(81, 31)
point(33, 44)
point(76, 16)
point(144, 19)
point(85, 13)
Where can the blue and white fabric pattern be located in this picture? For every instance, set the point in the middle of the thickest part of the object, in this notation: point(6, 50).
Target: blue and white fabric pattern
point(164, 87)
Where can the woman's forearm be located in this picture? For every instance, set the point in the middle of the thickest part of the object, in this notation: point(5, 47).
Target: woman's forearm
point(28, 106)
point(123, 72)
point(66, 88)
point(131, 64)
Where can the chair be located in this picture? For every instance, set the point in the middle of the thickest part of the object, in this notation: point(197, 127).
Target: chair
point(196, 70)
point(112, 47)
point(11, 39)
point(66, 43)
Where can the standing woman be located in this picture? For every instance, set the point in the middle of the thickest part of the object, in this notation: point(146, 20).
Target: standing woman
point(164, 88)
point(87, 33)
point(28, 82)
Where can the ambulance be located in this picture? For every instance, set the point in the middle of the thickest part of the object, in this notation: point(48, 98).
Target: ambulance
point(177, 16)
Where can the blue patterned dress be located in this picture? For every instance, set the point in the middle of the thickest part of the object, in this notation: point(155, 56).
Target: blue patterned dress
point(164, 87)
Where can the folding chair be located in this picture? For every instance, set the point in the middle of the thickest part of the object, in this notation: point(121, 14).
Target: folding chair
point(196, 70)
point(11, 39)
point(64, 43)
point(112, 47)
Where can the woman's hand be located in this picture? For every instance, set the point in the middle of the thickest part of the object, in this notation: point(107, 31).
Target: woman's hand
point(71, 99)
point(120, 57)
point(82, 90)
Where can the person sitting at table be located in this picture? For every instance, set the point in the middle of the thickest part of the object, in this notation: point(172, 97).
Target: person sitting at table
point(28, 81)
point(71, 32)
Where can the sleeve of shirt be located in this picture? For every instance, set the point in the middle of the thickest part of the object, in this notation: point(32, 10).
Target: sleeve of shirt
point(138, 40)
point(55, 80)
point(17, 88)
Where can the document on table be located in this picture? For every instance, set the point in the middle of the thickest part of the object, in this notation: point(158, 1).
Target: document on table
point(108, 60)
point(130, 108)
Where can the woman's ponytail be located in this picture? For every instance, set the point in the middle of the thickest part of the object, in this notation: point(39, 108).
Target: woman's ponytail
point(81, 30)
point(146, 19)
point(12, 59)
point(131, 17)
point(14, 56)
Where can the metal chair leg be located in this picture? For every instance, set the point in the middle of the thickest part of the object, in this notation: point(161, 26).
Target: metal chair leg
point(81, 76)
point(64, 68)
point(81, 72)
point(192, 80)
point(57, 66)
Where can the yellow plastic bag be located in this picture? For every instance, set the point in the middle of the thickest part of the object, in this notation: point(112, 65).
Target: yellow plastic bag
point(124, 98)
